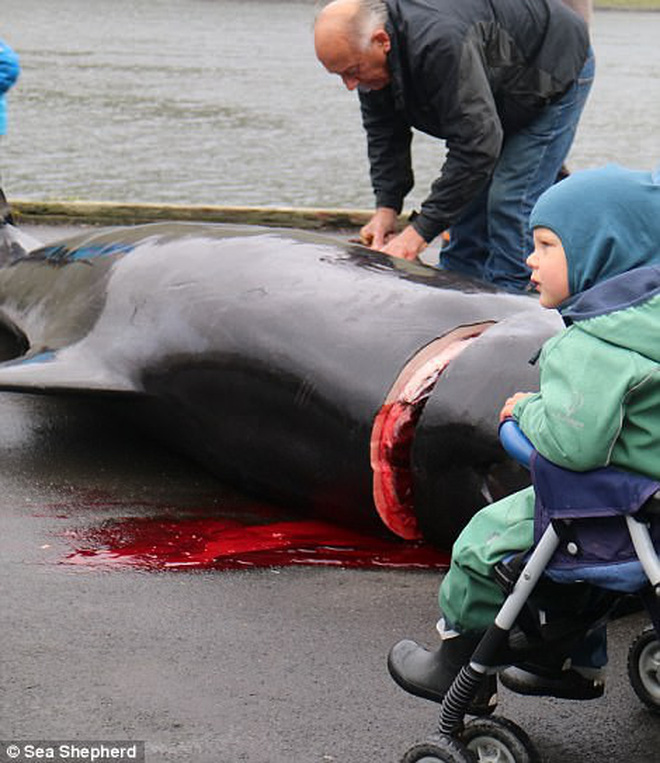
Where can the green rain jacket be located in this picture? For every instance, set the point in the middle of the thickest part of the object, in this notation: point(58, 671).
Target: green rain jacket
point(600, 380)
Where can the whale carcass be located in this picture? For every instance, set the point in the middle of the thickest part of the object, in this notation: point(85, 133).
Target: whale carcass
point(300, 368)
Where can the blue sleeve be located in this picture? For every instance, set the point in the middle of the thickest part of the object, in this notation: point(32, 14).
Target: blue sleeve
point(9, 67)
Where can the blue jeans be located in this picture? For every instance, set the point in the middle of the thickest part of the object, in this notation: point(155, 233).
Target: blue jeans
point(492, 239)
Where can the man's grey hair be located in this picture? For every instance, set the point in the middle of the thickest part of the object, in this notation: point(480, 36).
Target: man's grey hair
point(371, 15)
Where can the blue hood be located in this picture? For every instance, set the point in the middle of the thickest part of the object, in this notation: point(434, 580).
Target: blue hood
point(608, 221)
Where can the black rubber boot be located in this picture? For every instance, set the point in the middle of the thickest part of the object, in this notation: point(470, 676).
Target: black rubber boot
point(534, 680)
point(429, 673)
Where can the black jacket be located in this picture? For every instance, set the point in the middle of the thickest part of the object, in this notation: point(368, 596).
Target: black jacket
point(469, 72)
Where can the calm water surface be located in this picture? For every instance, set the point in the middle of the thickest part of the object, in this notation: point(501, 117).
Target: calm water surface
point(223, 102)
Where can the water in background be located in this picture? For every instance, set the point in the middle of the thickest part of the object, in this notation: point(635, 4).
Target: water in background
point(223, 102)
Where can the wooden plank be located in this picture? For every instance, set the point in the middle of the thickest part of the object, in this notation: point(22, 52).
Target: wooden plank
point(117, 213)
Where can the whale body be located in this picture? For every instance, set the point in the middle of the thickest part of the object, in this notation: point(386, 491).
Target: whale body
point(299, 368)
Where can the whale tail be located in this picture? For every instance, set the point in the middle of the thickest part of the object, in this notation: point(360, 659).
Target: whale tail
point(6, 217)
point(14, 243)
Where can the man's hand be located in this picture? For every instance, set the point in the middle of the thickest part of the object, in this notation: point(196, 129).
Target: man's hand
point(380, 228)
point(407, 245)
point(380, 234)
point(507, 409)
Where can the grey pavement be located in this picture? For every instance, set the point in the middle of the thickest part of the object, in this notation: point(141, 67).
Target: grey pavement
point(263, 666)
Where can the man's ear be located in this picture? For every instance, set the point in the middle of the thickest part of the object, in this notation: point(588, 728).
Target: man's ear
point(382, 39)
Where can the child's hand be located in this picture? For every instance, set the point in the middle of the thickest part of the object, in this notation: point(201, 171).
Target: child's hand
point(507, 410)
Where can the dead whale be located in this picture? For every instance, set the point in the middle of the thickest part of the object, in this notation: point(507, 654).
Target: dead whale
point(299, 368)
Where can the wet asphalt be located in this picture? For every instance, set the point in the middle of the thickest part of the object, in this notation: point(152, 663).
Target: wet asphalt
point(263, 666)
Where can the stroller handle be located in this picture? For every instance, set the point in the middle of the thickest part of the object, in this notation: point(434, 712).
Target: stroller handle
point(515, 442)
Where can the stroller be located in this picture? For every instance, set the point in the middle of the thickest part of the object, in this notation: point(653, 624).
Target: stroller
point(581, 521)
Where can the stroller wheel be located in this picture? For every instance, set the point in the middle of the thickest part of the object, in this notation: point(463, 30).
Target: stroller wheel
point(438, 749)
point(644, 668)
point(498, 740)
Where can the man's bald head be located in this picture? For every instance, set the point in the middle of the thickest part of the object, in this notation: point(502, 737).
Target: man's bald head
point(337, 26)
point(351, 41)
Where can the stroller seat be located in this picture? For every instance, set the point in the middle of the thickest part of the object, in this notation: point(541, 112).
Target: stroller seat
point(608, 523)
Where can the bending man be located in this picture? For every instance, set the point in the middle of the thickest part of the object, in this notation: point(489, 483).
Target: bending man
point(502, 84)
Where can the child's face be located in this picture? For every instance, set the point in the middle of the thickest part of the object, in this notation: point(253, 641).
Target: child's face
point(549, 268)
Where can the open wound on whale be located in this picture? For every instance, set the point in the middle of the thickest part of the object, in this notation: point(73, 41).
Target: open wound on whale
point(393, 431)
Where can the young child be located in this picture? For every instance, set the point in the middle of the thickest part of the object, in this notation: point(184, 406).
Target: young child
point(597, 259)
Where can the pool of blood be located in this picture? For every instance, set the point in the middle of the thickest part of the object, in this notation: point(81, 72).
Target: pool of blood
point(160, 543)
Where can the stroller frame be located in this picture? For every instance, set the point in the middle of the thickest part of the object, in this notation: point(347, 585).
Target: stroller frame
point(457, 742)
